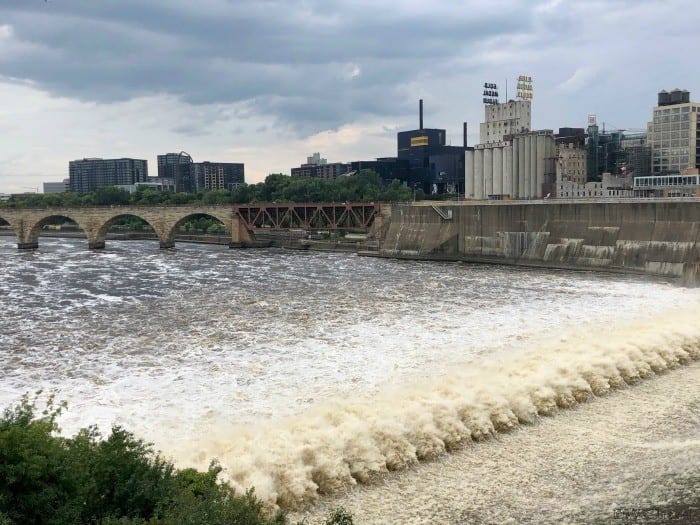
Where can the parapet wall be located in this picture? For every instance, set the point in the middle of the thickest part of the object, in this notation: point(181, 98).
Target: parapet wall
point(658, 237)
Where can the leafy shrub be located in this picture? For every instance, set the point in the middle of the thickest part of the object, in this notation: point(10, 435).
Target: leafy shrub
point(46, 479)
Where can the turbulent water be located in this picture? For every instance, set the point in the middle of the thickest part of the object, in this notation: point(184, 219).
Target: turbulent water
point(305, 373)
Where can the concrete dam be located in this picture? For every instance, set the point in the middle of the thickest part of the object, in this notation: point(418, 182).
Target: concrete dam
point(658, 237)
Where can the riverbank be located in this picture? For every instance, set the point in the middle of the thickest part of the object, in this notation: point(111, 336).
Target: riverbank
point(630, 457)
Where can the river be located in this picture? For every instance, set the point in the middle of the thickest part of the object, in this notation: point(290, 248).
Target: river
point(306, 373)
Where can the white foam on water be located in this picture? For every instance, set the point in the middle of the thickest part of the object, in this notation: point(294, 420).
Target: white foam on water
point(337, 445)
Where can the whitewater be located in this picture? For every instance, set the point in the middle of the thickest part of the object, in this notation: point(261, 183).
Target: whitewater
point(327, 378)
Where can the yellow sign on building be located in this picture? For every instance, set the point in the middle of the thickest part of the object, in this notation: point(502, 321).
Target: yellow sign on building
point(419, 141)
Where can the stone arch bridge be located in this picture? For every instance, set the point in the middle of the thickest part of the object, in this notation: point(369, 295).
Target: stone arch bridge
point(240, 220)
point(27, 223)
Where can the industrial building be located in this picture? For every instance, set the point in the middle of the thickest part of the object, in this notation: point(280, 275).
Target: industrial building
point(512, 161)
point(610, 186)
point(571, 155)
point(520, 167)
point(88, 174)
point(502, 120)
point(673, 133)
point(433, 166)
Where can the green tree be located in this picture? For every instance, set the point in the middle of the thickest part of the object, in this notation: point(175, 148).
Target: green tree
point(110, 195)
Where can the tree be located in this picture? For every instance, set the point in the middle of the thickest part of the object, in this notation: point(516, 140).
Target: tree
point(110, 195)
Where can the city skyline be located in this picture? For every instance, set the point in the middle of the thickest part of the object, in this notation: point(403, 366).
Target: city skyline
point(284, 80)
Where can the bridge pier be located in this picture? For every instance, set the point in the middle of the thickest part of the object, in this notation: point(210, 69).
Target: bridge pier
point(164, 245)
point(28, 245)
point(96, 245)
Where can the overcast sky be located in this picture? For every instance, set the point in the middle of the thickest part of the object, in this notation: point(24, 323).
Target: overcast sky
point(268, 82)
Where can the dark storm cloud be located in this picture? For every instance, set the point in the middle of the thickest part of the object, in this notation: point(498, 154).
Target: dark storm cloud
point(311, 64)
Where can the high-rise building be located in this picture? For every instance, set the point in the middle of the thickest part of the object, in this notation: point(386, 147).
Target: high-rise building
point(218, 175)
point(673, 133)
point(88, 174)
point(177, 167)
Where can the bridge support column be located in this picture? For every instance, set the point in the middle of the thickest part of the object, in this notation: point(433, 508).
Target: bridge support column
point(96, 245)
point(240, 235)
point(28, 245)
point(164, 245)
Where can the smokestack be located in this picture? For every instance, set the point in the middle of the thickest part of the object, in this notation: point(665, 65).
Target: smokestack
point(420, 113)
point(465, 134)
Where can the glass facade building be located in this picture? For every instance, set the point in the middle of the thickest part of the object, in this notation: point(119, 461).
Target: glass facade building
point(177, 167)
point(86, 175)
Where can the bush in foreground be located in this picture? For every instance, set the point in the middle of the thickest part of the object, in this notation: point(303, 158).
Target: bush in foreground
point(46, 479)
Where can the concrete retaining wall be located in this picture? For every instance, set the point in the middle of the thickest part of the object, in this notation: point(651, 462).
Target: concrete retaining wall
point(660, 237)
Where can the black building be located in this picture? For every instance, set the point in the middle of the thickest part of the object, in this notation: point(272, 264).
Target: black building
point(433, 166)
point(388, 168)
point(575, 136)
point(86, 175)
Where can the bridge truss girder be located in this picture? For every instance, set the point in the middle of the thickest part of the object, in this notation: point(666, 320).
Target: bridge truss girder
point(309, 216)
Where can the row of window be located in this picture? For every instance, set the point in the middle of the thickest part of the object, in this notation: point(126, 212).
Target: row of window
point(676, 126)
point(670, 152)
point(673, 118)
point(675, 109)
point(667, 180)
point(674, 163)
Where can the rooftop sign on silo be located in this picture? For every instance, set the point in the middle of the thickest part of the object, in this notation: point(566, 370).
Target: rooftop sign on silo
point(490, 93)
point(525, 87)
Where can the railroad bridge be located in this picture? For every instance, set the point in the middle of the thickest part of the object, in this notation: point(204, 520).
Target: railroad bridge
point(241, 220)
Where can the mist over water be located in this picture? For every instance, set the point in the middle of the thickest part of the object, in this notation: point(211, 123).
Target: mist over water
point(308, 372)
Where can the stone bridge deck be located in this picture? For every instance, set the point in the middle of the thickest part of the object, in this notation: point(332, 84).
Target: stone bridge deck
point(241, 221)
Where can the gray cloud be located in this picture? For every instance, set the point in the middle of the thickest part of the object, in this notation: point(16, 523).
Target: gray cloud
point(309, 64)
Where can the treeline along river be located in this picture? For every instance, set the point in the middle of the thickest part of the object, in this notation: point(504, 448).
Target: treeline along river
point(308, 373)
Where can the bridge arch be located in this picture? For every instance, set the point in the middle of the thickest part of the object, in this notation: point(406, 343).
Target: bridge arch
point(223, 217)
point(28, 237)
point(98, 238)
point(5, 223)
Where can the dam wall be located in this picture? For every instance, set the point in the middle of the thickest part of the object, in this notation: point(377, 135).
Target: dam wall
point(657, 237)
